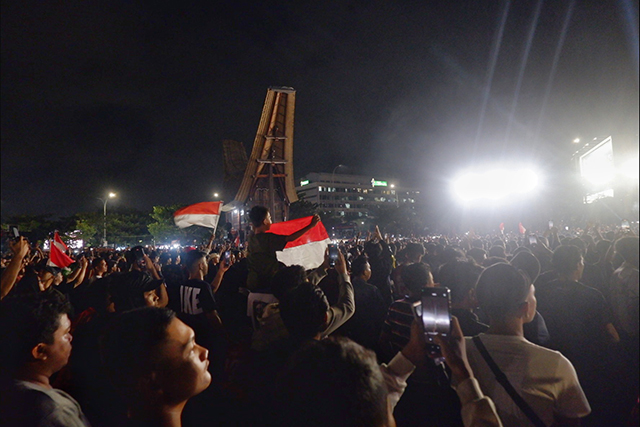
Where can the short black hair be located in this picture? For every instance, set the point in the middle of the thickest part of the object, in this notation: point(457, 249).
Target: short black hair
point(416, 276)
point(287, 278)
point(627, 248)
point(460, 276)
point(26, 321)
point(303, 310)
point(129, 343)
point(358, 265)
point(565, 259)
point(501, 289)
point(192, 257)
point(257, 215)
point(332, 382)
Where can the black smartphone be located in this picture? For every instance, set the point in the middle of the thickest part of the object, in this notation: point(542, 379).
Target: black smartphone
point(533, 240)
point(333, 254)
point(227, 257)
point(625, 224)
point(434, 312)
point(550, 224)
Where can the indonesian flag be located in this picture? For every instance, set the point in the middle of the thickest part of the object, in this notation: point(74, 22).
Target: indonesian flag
point(58, 257)
point(502, 227)
point(308, 250)
point(521, 228)
point(205, 214)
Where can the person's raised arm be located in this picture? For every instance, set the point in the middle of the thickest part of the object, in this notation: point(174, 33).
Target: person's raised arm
point(223, 266)
point(314, 220)
point(20, 249)
point(151, 268)
point(346, 305)
point(82, 271)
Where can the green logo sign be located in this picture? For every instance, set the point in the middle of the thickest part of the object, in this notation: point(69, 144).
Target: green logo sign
point(378, 183)
point(304, 182)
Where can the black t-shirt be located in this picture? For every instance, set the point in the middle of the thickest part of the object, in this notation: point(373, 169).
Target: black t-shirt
point(365, 324)
point(196, 297)
point(576, 316)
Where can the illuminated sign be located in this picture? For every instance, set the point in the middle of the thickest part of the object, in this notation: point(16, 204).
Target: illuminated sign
point(376, 183)
point(304, 182)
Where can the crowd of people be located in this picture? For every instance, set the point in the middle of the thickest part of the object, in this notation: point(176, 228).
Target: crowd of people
point(544, 331)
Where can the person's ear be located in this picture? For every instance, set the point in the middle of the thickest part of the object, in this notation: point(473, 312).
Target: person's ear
point(39, 352)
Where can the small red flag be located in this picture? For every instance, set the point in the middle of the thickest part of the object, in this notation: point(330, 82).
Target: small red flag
point(521, 228)
point(57, 256)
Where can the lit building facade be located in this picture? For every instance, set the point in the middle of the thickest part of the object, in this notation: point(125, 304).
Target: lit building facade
point(353, 196)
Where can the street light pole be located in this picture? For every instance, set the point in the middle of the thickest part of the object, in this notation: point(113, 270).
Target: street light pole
point(104, 217)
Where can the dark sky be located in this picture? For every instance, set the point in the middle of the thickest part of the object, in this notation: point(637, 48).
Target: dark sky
point(137, 96)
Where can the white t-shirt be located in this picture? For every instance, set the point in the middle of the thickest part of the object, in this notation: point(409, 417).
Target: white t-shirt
point(544, 378)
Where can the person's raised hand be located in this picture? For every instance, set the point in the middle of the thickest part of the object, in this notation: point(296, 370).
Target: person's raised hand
point(341, 264)
point(20, 247)
point(315, 219)
point(416, 348)
point(454, 351)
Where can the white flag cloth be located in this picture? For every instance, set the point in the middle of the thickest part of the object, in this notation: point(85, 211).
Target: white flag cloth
point(308, 250)
point(205, 214)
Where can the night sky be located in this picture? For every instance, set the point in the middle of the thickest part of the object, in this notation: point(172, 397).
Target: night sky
point(137, 96)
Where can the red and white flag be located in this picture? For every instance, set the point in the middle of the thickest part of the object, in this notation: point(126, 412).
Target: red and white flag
point(308, 250)
point(57, 256)
point(502, 227)
point(521, 228)
point(205, 214)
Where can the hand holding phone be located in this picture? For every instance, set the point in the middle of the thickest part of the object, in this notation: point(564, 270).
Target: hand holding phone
point(333, 254)
point(434, 312)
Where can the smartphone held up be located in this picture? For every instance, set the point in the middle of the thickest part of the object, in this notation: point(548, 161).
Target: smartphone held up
point(333, 254)
point(433, 312)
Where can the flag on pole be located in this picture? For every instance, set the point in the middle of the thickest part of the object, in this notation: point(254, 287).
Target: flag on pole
point(57, 257)
point(521, 228)
point(502, 227)
point(205, 214)
point(308, 250)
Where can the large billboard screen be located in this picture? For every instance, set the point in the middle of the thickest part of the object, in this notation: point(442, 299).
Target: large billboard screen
point(598, 170)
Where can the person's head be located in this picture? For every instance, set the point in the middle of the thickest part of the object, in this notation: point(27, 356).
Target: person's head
point(304, 311)
point(133, 290)
point(99, 266)
point(567, 261)
point(333, 382)
point(579, 243)
point(195, 262)
point(627, 248)
point(460, 277)
point(452, 253)
point(260, 218)
point(287, 278)
point(528, 263)
point(373, 249)
point(35, 333)
point(360, 268)
point(506, 292)
point(497, 251)
point(416, 277)
point(152, 358)
point(477, 254)
point(414, 252)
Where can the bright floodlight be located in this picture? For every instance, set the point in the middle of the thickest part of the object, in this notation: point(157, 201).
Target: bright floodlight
point(576, 141)
point(495, 184)
point(112, 195)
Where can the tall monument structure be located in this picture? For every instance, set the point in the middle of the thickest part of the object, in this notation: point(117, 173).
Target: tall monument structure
point(268, 176)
